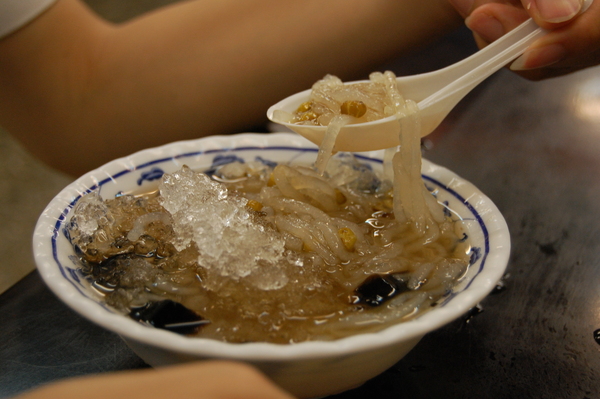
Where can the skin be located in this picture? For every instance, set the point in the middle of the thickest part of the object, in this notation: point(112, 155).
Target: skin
point(78, 91)
point(193, 69)
point(199, 68)
point(206, 380)
point(573, 43)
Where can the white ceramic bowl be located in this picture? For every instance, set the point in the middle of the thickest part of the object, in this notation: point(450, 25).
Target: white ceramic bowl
point(307, 369)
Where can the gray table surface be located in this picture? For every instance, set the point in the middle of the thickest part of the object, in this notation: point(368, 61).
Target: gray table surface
point(534, 149)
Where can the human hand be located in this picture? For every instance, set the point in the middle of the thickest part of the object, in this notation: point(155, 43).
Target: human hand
point(206, 380)
point(573, 43)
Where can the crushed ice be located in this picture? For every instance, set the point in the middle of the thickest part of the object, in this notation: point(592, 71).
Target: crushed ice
point(222, 218)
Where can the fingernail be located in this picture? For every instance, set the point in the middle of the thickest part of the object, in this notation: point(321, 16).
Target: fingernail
point(486, 26)
point(558, 10)
point(539, 57)
point(464, 7)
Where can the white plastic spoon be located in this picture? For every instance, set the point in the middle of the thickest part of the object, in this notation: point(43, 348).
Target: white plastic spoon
point(436, 93)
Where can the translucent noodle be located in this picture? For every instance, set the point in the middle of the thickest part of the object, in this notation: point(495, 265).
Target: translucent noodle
point(286, 253)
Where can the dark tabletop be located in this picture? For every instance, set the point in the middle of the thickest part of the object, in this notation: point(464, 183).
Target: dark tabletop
point(534, 149)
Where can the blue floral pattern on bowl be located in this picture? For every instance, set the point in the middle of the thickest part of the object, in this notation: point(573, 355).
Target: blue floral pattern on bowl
point(138, 173)
point(151, 173)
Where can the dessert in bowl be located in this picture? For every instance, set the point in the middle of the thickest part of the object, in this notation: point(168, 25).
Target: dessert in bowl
point(307, 369)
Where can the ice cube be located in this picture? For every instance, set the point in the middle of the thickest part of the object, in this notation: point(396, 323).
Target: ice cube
point(229, 237)
point(89, 210)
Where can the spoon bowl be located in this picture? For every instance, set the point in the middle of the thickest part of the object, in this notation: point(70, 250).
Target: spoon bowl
point(369, 136)
point(436, 93)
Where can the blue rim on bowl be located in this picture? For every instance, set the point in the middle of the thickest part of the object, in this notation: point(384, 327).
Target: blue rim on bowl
point(140, 172)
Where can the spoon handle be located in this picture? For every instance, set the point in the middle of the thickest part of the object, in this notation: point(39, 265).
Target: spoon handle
point(471, 71)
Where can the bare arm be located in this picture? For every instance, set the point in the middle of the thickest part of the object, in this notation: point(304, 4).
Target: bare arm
point(207, 380)
point(193, 69)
